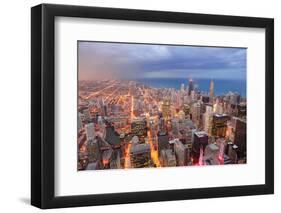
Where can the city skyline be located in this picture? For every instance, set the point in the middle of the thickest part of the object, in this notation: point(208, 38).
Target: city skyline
point(132, 61)
point(154, 122)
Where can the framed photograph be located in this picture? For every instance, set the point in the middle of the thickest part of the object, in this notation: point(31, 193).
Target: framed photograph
point(139, 106)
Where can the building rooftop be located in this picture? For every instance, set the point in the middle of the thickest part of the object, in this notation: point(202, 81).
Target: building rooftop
point(112, 137)
point(201, 134)
point(140, 148)
point(213, 147)
point(92, 166)
point(106, 155)
point(235, 146)
point(220, 115)
point(174, 141)
point(138, 119)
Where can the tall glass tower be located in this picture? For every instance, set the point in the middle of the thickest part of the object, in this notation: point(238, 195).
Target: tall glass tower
point(212, 85)
point(190, 86)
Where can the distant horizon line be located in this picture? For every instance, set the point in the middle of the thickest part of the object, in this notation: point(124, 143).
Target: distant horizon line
point(129, 79)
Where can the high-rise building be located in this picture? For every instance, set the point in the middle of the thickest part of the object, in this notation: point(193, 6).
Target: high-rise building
point(181, 115)
point(196, 113)
point(100, 120)
point(112, 137)
point(79, 122)
point(186, 130)
point(186, 109)
point(241, 109)
point(240, 137)
point(232, 152)
point(185, 100)
point(100, 101)
point(190, 86)
point(193, 95)
point(90, 132)
point(140, 156)
point(189, 136)
point(211, 154)
point(205, 99)
point(115, 161)
point(230, 131)
point(87, 114)
point(104, 110)
point(219, 125)
point(94, 152)
point(168, 158)
point(207, 118)
point(166, 108)
point(234, 98)
point(162, 126)
point(200, 140)
point(212, 85)
point(162, 141)
point(182, 88)
point(181, 152)
point(139, 127)
point(175, 126)
point(218, 107)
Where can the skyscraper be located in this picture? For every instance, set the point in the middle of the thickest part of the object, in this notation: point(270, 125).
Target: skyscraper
point(200, 140)
point(234, 98)
point(90, 131)
point(207, 118)
point(166, 108)
point(182, 88)
point(94, 152)
point(219, 125)
point(190, 86)
point(181, 152)
point(138, 126)
point(140, 156)
point(212, 85)
point(104, 109)
point(186, 109)
point(87, 114)
point(162, 127)
point(175, 126)
point(242, 109)
point(168, 158)
point(162, 142)
point(212, 154)
point(240, 136)
point(196, 113)
point(79, 122)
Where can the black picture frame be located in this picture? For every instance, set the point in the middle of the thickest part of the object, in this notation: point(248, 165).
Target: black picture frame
point(43, 102)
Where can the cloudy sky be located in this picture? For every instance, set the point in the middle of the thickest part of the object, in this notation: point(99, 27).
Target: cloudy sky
point(99, 61)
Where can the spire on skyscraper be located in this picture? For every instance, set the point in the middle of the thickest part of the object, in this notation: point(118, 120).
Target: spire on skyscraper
point(190, 86)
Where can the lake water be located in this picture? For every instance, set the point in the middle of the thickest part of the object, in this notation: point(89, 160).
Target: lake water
point(221, 86)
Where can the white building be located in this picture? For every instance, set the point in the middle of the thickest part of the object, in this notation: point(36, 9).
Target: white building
point(168, 158)
point(90, 132)
point(193, 95)
point(79, 122)
point(207, 119)
point(181, 152)
point(196, 111)
point(182, 88)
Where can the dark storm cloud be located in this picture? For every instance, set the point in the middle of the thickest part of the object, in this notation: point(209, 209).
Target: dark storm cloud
point(99, 60)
